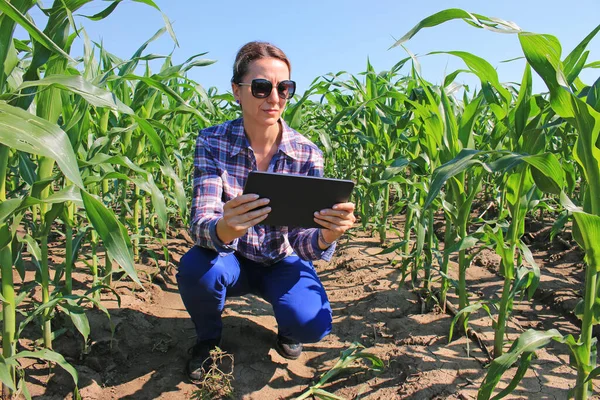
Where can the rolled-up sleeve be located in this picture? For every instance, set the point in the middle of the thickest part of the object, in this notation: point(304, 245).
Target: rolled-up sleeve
point(207, 204)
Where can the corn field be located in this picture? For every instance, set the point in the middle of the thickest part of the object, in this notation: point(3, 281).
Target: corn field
point(95, 151)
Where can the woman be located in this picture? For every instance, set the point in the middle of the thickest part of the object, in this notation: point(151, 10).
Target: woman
point(234, 253)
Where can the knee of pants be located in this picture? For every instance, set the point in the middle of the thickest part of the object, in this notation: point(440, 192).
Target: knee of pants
point(305, 328)
point(199, 266)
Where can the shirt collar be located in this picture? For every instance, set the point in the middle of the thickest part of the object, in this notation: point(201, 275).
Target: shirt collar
point(239, 140)
point(287, 143)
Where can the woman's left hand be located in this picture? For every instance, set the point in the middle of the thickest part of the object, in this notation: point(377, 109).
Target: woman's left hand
point(335, 221)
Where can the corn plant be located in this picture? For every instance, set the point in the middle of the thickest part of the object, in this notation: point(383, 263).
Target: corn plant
point(578, 108)
point(348, 357)
point(42, 135)
point(361, 139)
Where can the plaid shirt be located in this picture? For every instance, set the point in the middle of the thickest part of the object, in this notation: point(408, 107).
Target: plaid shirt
point(222, 162)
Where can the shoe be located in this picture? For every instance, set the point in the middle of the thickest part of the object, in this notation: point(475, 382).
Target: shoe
point(288, 348)
point(201, 361)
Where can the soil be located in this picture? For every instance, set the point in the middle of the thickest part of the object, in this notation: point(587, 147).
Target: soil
point(145, 357)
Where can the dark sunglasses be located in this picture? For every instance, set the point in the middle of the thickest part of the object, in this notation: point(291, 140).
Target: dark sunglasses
point(262, 88)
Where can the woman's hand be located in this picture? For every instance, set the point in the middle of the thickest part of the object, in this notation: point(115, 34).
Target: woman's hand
point(335, 221)
point(239, 214)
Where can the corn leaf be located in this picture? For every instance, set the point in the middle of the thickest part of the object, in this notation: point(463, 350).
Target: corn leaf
point(471, 308)
point(158, 148)
point(527, 343)
point(464, 160)
point(12, 206)
point(25, 132)
point(49, 355)
point(547, 172)
point(482, 69)
point(130, 65)
point(104, 13)
point(5, 376)
point(543, 53)
point(113, 234)
point(477, 20)
point(78, 317)
point(589, 231)
point(13, 13)
point(76, 84)
point(574, 62)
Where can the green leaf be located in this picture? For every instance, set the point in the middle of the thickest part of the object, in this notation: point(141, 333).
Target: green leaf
point(392, 248)
point(170, 28)
point(5, 375)
point(482, 69)
point(592, 375)
point(158, 199)
point(13, 13)
point(398, 165)
point(32, 246)
point(27, 169)
point(543, 53)
point(25, 132)
point(589, 227)
point(5, 236)
point(80, 320)
point(112, 232)
point(534, 274)
point(133, 62)
point(51, 356)
point(572, 63)
point(471, 308)
point(476, 20)
point(462, 244)
point(325, 141)
point(523, 366)
point(464, 160)
point(547, 172)
point(467, 122)
point(158, 148)
point(104, 13)
point(527, 343)
point(522, 106)
point(94, 95)
point(10, 207)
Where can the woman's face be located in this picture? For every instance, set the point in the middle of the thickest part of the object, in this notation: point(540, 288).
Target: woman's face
point(262, 112)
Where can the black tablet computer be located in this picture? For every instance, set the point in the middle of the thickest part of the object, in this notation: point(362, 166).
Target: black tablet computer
point(295, 198)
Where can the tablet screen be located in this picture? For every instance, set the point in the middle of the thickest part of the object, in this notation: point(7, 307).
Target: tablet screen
point(295, 198)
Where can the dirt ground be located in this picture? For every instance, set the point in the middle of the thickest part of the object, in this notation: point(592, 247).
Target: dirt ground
point(145, 359)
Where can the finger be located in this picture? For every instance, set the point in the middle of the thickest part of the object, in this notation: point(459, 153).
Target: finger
point(239, 200)
point(334, 225)
point(248, 206)
point(331, 219)
point(333, 215)
point(240, 221)
point(252, 222)
point(244, 208)
point(344, 206)
point(249, 216)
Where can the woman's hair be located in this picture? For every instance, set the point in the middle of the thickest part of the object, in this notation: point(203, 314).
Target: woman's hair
point(253, 51)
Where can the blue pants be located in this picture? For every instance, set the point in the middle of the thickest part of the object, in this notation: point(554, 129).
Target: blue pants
point(291, 286)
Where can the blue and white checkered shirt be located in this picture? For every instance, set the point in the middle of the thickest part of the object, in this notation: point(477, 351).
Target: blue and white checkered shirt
point(222, 163)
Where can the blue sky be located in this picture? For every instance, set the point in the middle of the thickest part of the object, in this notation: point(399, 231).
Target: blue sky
point(330, 36)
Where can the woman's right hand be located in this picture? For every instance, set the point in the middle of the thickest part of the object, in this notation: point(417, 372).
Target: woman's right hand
point(239, 214)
